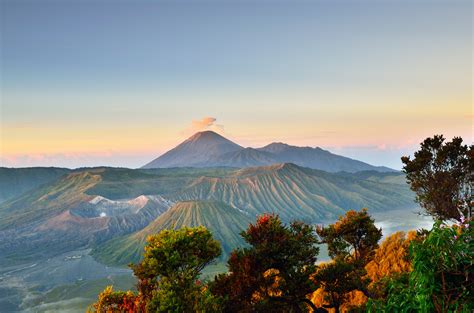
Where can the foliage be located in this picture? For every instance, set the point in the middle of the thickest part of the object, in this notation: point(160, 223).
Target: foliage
point(354, 301)
point(171, 297)
point(397, 296)
point(180, 253)
point(168, 275)
point(353, 237)
point(442, 268)
point(351, 243)
point(338, 279)
point(390, 260)
point(442, 175)
point(172, 264)
point(391, 257)
point(442, 277)
point(273, 274)
point(117, 301)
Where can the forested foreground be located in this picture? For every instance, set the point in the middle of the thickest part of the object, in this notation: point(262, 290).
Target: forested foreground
point(278, 269)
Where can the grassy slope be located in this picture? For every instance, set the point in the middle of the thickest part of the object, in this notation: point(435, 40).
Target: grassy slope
point(80, 185)
point(47, 200)
point(224, 221)
point(297, 193)
point(17, 181)
point(127, 183)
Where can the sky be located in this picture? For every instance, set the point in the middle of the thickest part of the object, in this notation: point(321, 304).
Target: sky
point(117, 83)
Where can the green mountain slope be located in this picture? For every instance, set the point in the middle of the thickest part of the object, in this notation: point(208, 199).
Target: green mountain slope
point(294, 192)
point(224, 221)
point(82, 185)
point(16, 181)
point(47, 200)
point(62, 216)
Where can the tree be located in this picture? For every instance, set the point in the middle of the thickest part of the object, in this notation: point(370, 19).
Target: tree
point(168, 275)
point(353, 237)
point(391, 257)
point(173, 261)
point(117, 301)
point(391, 262)
point(274, 272)
point(442, 278)
point(443, 275)
point(351, 243)
point(442, 175)
point(338, 280)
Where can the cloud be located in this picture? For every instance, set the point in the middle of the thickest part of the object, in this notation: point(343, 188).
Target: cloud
point(206, 123)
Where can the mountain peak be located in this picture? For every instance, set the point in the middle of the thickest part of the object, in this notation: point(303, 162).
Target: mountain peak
point(278, 144)
point(198, 150)
point(276, 147)
point(206, 135)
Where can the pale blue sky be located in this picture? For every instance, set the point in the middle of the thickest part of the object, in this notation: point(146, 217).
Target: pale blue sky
point(119, 82)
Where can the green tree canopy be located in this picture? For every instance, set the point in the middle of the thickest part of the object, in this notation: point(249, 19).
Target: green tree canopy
point(442, 176)
point(273, 274)
point(182, 252)
point(168, 275)
point(354, 236)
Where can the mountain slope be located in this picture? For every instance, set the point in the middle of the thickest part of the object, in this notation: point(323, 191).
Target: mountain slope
point(317, 158)
point(223, 221)
point(195, 151)
point(61, 216)
point(80, 186)
point(294, 192)
point(245, 158)
point(47, 200)
point(16, 181)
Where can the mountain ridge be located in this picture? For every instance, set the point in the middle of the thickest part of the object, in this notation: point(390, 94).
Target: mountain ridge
point(16, 181)
point(209, 149)
point(223, 221)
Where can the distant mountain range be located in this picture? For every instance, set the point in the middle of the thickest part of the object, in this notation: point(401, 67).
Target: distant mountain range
point(209, 149)
point(94, 207)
